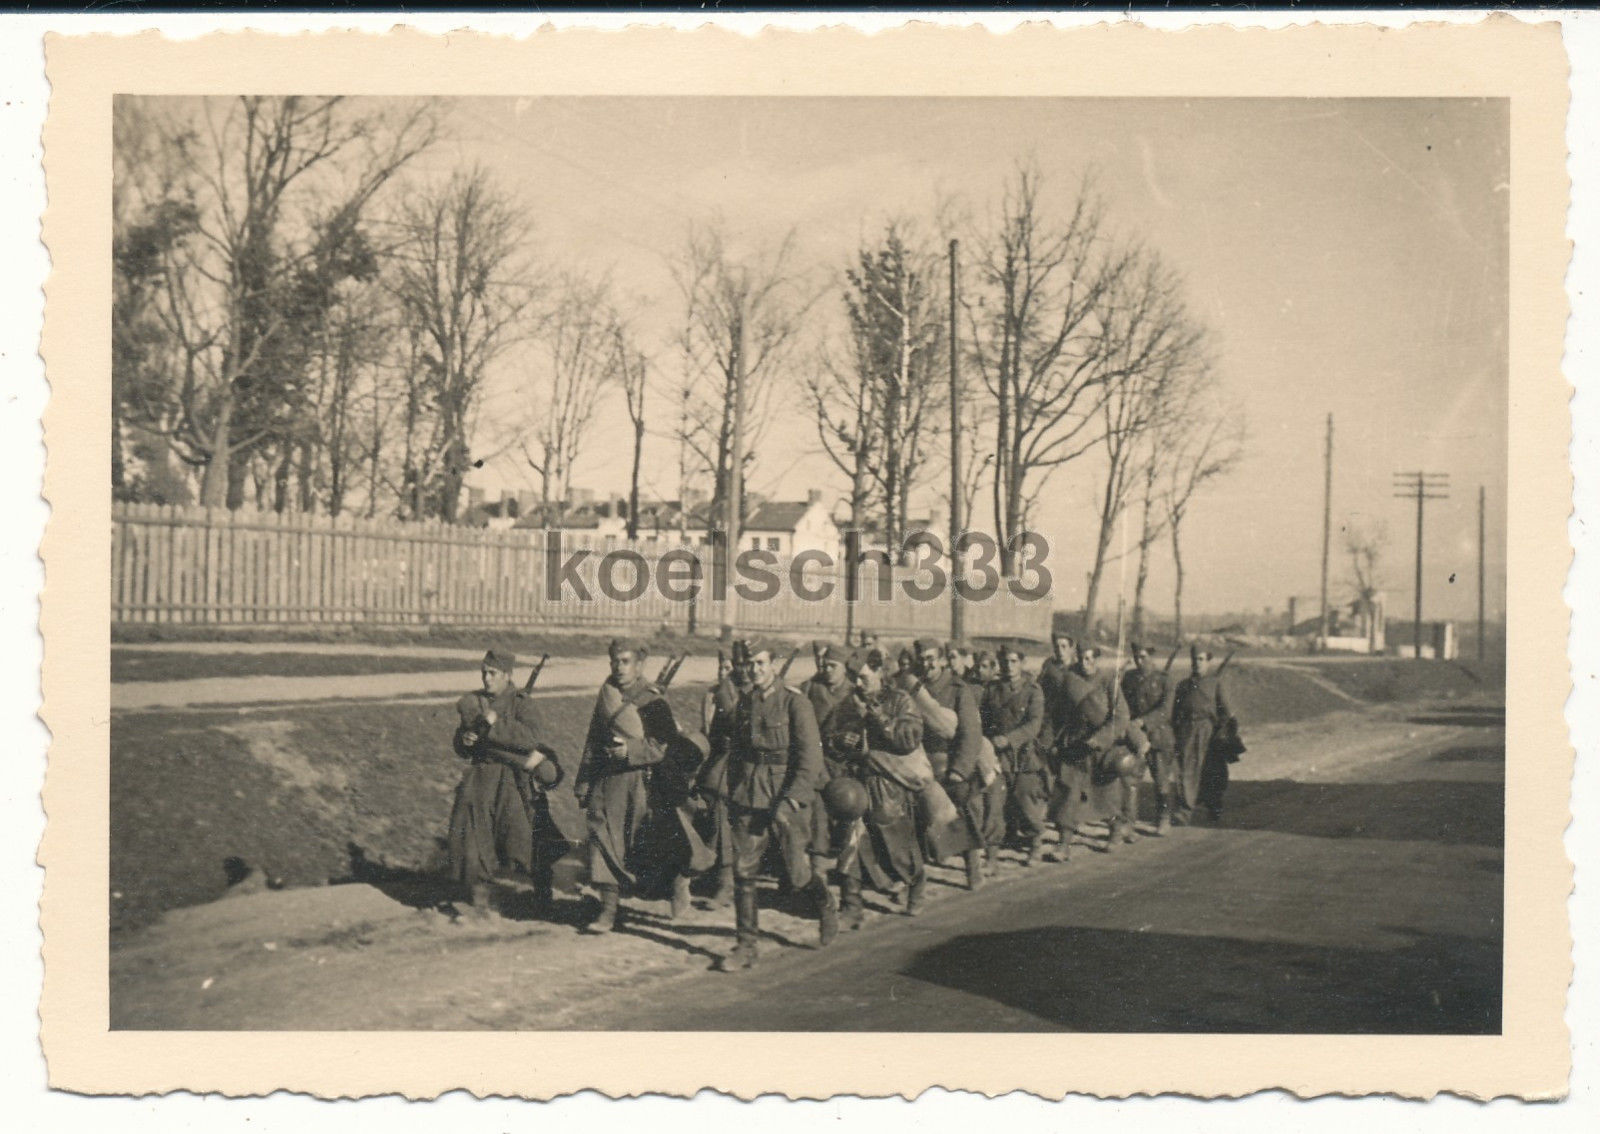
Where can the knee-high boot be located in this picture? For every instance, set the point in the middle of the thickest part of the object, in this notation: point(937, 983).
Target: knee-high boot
point(746, 928)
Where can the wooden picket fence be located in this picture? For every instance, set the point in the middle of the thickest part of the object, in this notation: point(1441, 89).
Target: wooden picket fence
point(173, 564)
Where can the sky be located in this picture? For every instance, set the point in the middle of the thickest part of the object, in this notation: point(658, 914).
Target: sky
point(1348, 256)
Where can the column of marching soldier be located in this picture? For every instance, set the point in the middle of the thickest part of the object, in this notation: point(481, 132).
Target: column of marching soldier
point(859, 777)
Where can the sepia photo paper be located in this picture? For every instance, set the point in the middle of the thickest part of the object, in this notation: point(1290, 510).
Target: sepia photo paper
point(807, 563)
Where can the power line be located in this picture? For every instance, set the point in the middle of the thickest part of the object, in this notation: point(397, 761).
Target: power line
point(1421, 487)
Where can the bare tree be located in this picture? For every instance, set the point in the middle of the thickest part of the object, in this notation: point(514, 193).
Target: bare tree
point(1207, 443)
point(632, 372)
point(1366, 542)
point(578, 359)
point(878, 418)
point(1148, 344)
point(277, 188)
point(462, 290)
point(742, 315)
point(1035, 337)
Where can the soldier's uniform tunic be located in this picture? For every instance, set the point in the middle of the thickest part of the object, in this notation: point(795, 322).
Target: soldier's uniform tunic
point(1196, 707)
point(773, 760)
point(1014, 710)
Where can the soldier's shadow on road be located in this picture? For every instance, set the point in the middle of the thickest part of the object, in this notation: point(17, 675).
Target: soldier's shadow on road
point(1454, 812)
point(1107, 980)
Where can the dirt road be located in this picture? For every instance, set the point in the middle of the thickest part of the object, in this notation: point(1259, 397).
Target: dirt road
point(1354, 886)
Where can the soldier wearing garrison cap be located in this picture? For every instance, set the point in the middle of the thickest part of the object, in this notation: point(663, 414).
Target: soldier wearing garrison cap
point(1013, 714)
point(497, 821)
point(773, 761)
point(1198, 706)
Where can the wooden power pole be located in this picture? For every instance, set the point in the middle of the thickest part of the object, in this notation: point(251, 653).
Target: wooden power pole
point(735, 494)
point(1421, 487)
point(1480, 572)
point(957, 614)
point(1327, 520)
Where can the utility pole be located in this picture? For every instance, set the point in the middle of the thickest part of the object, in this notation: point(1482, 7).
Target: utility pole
point(1327, 520)
point(1421, 487)
point(1480, 572)
point(957, 614)
point(735, 494)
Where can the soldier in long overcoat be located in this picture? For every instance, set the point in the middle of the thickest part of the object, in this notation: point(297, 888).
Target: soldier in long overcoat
point(876, 734)
point(827, 689)
point(629, 731)
point(501, 819)
point(1197, 706)
point(1146, 691)
point(1013, 714)
point(711, 819)
point(952, 735)
point(1099, 753)
point(772, 760)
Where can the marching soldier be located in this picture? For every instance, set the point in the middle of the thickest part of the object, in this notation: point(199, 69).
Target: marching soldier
point(1053, 676)
point(904, 677)
point(1197, 708)
point(877, 733)
point(1145, 689)
point(958, 655)
point(628, 733)
point(497, 805)
point(773, 768)
point(952, 735)
point(828, 688)
point(1013, 713)
point(1100, 757)
point(711, 818)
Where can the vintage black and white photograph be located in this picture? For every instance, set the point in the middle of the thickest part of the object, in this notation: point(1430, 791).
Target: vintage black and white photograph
point(808, 564)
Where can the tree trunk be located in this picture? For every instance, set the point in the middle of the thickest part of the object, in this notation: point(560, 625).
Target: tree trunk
point(633, 484)
point(1143, 573)
point(217, 485)
point(280, 477)
point(1177, 585)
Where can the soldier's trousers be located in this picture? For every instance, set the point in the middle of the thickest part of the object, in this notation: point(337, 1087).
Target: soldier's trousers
point(1164, 774)
point(754, 831)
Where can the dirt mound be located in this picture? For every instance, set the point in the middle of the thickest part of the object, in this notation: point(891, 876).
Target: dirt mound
point(1274, 694)
point(1386, 680)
